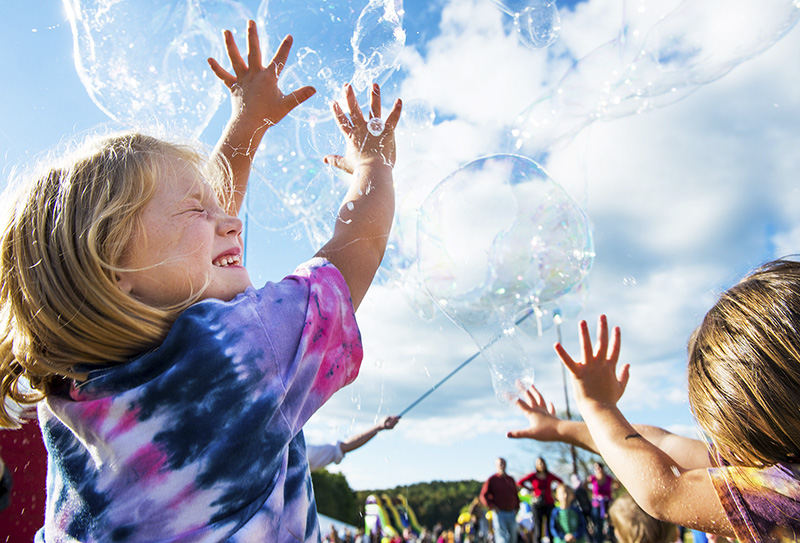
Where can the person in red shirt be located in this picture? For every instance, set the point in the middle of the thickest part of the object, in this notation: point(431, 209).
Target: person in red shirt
point(540, 483)
point(499, 493)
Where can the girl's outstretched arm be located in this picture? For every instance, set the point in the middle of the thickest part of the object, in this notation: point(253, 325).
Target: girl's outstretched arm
point(365, 218)
point(544, 425)
point(660, 486)
point(256, 104)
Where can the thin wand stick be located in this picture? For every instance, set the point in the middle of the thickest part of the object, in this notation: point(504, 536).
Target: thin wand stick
point(461, 366)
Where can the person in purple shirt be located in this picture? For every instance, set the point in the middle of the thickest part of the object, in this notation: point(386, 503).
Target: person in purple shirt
point(172, 393)
point(602, 486)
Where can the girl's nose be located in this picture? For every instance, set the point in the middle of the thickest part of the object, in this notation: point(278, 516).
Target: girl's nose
point(229, 225)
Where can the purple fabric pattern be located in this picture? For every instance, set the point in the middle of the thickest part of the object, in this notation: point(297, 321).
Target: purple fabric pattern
point(762, 504)
point(200, 439)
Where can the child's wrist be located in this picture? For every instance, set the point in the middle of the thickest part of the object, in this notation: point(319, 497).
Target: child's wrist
point(372, 163)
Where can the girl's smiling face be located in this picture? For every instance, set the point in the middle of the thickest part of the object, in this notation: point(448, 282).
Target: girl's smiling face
point(186, 245)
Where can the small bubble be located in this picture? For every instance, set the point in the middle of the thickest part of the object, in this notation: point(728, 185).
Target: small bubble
point(375, 126)
point(350, 206)
point(629, 281)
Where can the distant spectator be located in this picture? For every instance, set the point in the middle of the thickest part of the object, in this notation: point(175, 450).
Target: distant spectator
point(602, 486)
point(633, 525)
point(583, 499)
point(499, 493)
point(567, 523)
point(540, 483)
point(320, 456)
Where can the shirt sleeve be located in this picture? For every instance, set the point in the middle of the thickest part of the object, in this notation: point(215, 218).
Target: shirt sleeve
point(324, 352)
point(320, 456)
point(486, 497)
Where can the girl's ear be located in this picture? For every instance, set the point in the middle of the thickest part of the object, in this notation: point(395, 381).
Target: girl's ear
point(124, 282)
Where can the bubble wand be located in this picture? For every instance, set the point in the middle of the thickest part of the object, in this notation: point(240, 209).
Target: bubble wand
point(461, 366)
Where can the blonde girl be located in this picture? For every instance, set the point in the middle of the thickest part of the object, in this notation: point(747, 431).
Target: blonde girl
point(171, 393)
point(744, 390)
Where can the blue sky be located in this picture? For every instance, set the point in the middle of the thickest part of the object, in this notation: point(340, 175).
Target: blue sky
point(684, 197)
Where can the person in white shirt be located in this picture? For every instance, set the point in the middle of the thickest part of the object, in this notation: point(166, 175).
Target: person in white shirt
point(320, 456)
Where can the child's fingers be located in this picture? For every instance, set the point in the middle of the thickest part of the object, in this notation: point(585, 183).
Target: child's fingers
point(522, 405)
point(616, 344)
point(344, 123)
point(518, 434)
point(375, 102)
point(281, 55)
point(531, 398)
point(539, 398)
point(253, 46)
point(552, 409)
point(237, 62)
point(571, 365)
point(226, 77)
point(394, 115)
point(356, 116)
point(602, 337)
point(337, 161)
point(624, 376)
point(586, 341)
point(300, 95)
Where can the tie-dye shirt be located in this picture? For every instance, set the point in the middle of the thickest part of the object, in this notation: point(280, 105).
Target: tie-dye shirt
point(200, 439)
point(762, 504)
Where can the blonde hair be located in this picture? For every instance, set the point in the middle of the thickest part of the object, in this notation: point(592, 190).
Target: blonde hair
point(633, 525)
point(744, 368)
point(570, 494)
point(61, 310)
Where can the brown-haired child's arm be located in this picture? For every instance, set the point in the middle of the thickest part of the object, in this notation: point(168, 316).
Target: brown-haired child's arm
point(256, 104)
point(545, 425)
point(662, 487)
point(365, 218)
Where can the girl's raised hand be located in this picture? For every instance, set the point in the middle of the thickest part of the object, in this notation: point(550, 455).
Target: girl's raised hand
point(254, 87)
point(596, 378)
point(368, 140)
point(541, 417)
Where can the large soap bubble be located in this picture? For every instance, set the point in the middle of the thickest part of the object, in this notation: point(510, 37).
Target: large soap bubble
point(293, 190)
point(536, 21)
point(144, 63)
point(496, 239)
point(337, 42)
point(652, 66)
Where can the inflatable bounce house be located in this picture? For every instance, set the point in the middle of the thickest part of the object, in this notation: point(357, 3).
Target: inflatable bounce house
point(388, 516)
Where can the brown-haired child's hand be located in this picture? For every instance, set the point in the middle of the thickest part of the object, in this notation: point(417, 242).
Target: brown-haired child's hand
point(595, 378)
point(255, 95)
point(541, 417)
point(369, 141)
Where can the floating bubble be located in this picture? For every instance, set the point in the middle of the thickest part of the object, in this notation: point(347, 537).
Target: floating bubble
point(496, 239)
point(377, 41)
point(143, 63)
point(700, 42)
point(329, 35)
point(375, 126)
point(648, 67)
point(537, 22)
point(293, 190)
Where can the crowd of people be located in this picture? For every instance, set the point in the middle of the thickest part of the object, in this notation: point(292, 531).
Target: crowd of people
point(541, 508)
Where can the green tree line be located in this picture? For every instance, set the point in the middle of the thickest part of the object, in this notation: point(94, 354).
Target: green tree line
point(436, 501)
